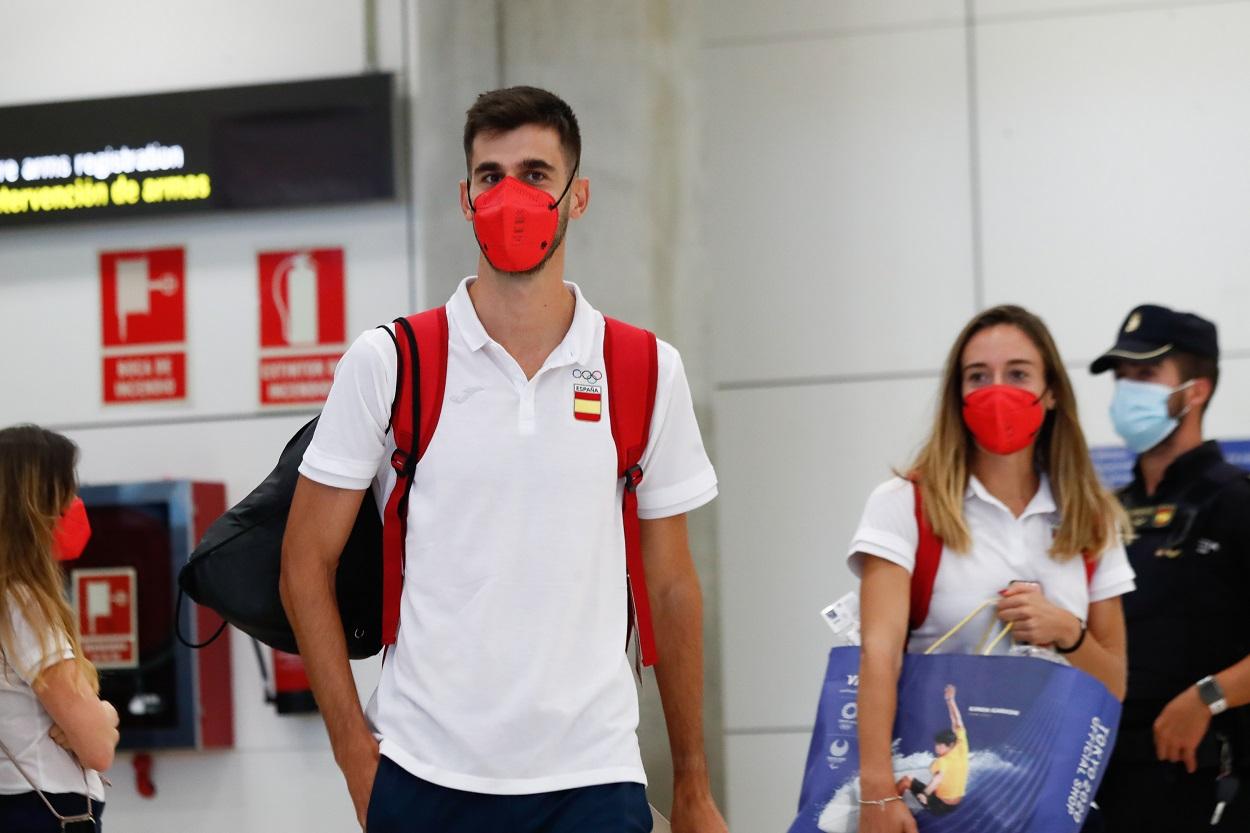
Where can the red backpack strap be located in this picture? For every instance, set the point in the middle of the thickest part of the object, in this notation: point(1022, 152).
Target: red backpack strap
point(420, 381)
point(1091, 567)
point(631, 363)
point(928, 557)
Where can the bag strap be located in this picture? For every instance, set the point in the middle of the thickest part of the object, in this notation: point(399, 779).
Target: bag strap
point(420, 382)
point(631, 360)
point(929, 557)
point(62, 819)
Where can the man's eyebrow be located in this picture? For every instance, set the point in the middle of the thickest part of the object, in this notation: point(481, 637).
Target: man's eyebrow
point(537, 165)
point(487, 167)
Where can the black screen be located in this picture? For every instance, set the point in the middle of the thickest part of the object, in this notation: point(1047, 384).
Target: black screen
point(267, 146)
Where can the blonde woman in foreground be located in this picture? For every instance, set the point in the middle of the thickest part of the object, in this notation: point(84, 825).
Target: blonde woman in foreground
point(1006, 482)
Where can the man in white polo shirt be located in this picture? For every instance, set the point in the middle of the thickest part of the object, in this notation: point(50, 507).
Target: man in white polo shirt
point(508, 703)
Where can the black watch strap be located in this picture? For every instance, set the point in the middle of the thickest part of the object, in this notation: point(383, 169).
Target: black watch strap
point(1210, 692)
point(1080, 640)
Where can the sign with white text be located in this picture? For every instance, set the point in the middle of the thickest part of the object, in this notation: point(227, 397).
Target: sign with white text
point(143, 325)
point(302, 313)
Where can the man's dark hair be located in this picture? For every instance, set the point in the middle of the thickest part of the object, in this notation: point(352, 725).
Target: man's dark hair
point(499, 111)
point(945, 737)
point(1192, 366)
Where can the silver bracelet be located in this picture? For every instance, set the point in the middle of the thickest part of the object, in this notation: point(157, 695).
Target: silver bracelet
point(880, 802)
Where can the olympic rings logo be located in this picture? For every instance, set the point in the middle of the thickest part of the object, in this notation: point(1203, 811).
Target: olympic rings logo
point(587, 375)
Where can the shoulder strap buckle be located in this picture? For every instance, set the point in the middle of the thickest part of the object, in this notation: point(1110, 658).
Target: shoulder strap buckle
point(633, 477)
point(403, 463)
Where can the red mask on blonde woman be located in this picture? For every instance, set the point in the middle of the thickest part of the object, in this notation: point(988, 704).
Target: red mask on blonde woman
point(72, 531)
point(1003, 419)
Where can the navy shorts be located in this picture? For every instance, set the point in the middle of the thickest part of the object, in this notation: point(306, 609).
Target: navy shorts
point(403, 803)
point(26, 813)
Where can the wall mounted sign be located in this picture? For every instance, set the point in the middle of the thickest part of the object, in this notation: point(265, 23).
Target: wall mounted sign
point(143, 325)
point(108, 615)
point(303, 324)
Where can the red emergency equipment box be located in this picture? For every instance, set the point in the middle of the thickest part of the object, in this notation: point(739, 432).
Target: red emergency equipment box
point(125, 591)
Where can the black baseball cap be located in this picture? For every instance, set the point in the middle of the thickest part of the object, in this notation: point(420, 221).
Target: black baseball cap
point(1151, 332)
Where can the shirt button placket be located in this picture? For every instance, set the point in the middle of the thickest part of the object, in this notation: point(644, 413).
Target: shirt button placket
point(525, 408)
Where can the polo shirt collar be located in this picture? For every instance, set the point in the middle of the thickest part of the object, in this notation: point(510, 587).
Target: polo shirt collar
point(576, 347)
point(1042, 502)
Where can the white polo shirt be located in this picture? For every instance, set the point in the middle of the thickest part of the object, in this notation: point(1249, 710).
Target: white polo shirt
point(509, 675)
point(24, 723)
point(1004, 549)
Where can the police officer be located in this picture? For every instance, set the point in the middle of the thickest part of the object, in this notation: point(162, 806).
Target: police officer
point(1184, 738)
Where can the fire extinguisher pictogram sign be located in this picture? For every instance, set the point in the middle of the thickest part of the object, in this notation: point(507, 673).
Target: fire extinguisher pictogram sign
point(302, 313)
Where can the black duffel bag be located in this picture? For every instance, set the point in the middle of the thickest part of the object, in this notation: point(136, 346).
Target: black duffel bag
point(236, 566)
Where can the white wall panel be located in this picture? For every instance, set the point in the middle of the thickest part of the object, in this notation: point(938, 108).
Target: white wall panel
point(82, 49)
point(765, 773)
point(796, 466)
point(837, 218)
point(997, 9)
point(273, 790)
point(1116, 168)
point(803, 18)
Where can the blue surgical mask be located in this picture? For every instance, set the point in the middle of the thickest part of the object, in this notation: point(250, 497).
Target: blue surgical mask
point(1139, 411)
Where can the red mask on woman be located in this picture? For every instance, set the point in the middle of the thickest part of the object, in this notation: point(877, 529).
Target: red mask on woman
point(1003, 419)
point(516, 224)
point(72, 531)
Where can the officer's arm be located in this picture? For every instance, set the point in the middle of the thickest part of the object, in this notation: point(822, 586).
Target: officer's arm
point(1104, 653)
point(317, 528)
point(677, 617)
point(1235, 682)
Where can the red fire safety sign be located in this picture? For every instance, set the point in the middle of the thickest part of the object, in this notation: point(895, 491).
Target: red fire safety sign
point(302, 313)
point(108, 615)
point(143, 325)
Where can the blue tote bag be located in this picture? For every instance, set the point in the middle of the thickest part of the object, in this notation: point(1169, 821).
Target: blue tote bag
point(1036, 739)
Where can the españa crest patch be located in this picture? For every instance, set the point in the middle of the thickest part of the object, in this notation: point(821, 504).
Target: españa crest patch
point(587, 395)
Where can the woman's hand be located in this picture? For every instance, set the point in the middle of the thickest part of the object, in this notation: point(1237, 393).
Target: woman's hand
point(58, 737)
point(893, 817)
point(1034, 619)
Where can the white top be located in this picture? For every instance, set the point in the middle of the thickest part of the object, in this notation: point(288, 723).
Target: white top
point(509, 675)
point(1004, 548)
point(24, 724)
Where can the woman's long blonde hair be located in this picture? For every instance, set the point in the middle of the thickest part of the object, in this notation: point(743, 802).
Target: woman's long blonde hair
point(37, 483)
point(1090, 516)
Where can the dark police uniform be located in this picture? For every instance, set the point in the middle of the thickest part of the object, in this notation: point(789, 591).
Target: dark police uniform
point(1186, 620)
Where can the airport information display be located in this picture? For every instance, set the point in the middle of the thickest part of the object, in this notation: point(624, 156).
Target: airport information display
point(266, 146)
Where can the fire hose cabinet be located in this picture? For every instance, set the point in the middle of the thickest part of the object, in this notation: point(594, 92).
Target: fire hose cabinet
point(125, 591)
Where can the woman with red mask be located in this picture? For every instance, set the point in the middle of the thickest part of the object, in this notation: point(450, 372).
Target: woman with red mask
point(1006, 483)
point(56, 734)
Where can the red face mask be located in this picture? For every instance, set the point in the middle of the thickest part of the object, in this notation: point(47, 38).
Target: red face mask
point(72, 532)
point(1002, 418)
point(516, 224)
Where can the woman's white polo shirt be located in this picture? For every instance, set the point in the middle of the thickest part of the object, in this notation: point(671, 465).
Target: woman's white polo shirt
point(1004, 549)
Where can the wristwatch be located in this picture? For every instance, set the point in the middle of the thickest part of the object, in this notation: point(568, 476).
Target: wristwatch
point(1211, 694)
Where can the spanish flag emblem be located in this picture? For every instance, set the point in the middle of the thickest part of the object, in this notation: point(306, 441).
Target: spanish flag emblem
point(587, 403)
